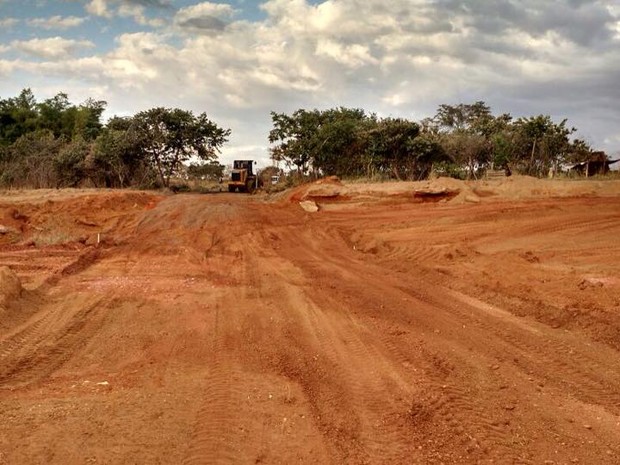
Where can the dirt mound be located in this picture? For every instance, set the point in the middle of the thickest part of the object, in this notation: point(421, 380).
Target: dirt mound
point(332, 191)
point(441, 189)
point(325, 189)
point(77, 216)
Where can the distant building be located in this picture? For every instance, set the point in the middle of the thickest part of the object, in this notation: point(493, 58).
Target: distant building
point(599, 163)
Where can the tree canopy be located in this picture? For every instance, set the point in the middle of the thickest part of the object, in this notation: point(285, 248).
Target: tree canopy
point(55, 143)
point(172, 136)
point(461, 140)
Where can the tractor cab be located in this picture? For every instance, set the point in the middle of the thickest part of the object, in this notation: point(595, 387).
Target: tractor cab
point(243, 165)
point(242, 177)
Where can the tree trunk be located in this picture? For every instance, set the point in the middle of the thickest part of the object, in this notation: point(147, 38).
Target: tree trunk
point(160, 171)
point(396, 173)
point(529, 169)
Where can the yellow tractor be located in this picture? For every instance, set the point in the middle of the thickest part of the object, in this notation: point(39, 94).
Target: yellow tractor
point(242, 177)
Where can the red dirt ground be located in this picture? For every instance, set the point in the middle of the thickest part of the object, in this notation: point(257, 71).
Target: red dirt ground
point(480, 327)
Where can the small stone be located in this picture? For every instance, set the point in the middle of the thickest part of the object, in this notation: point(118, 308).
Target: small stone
point(587, 426)
point(309, 206)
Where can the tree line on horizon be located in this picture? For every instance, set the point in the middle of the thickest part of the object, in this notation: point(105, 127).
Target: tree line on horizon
point(55, 143)
point(460, 141)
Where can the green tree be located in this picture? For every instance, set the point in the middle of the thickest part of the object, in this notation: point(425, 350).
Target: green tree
point(18, 117)
point(578, 152)
point(56, 115)
point(330, 142)
point(466, 133)
point(29, 162)
point(350, 142)
point(340, 142)
point(117, 159)
point(463, 117)
point(69, 163)
point(542, 144)
point(295, 138)
point(426, 152)
point(170, 137)
point(88, 119)
point(390, 146)
point(212, 171)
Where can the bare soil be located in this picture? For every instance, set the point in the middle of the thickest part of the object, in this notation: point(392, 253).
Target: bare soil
point(402, 323)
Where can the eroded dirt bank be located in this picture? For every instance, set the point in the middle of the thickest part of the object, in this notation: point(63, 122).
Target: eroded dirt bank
point(229, 329)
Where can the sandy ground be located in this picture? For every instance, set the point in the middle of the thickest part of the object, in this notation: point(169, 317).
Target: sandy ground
point(426, 323)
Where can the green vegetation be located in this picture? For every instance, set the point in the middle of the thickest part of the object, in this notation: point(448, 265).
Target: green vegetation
point(460, 140)
point(55, 143)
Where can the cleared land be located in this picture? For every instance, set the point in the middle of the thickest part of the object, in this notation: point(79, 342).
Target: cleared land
point(471, 323)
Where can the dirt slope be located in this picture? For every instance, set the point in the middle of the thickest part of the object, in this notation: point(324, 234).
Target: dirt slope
point(229, 329)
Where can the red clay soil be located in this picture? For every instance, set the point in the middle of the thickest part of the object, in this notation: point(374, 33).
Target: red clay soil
point(228, 329)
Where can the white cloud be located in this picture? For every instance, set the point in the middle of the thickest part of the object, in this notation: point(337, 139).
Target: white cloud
point(52, 48)
point(98, 8)
point(614, 11)
point(135, 9)
point(401, 58)
point(206, 8)
point(351, 56)
point(137, 13)
point(8, 22)
point(56, 22)
point(204, 16)
point(7, 67)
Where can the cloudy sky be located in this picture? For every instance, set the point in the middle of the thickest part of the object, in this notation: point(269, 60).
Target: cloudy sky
point(241, 59)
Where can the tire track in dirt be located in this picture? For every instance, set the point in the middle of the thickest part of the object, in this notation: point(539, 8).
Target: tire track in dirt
point(34, 330)
point(298, 352)
point(567, 225)
point(34, 266)
point(52, 333)
point(213, 427)
point(336, 350)
point(547, 342)
point(583, 377)
point(536, 348)
point(214, 436)
point(493, 436)
point(396, 438)
point(241, 417)
point(46, 342)
point(581, 373)
point(568, 232)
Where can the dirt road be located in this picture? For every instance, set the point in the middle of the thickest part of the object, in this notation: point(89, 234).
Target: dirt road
point(228, 329)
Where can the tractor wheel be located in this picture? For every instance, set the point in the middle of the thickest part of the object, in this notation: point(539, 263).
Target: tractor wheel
point(249, 186)
point(231, 188)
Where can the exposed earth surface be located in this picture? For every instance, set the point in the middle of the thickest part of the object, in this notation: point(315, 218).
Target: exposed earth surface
point(401, 323)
